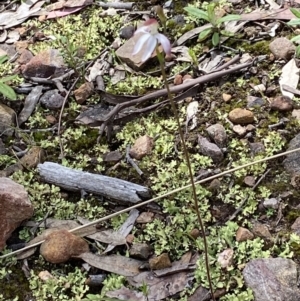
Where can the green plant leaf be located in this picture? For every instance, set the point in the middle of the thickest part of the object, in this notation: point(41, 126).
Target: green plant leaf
point(229, 18)
point(294, 22)
point(295, 12)
point(215, 39)
point(296, 39)
point(3, 59)
point(7, 91)
point(227, 33)
point(298, 51)
point(196, 12)
point(211, 14)
point(7, 78)
point(204, 34)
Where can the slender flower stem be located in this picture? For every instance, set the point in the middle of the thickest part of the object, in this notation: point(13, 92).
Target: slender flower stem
point(161, 63)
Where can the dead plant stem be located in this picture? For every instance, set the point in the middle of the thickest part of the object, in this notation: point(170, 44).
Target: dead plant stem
point(188, 162)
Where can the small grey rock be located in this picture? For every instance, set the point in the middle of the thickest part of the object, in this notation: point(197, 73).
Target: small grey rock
point(52, 100)
point(113, 156)
point(272, 203)
point(292, 161)
point(127, 32)
point(218, 134)
point(296, 226)
point(256, 148)
point(210, 149)
point(179, 19)
point(253, 101)
point(3, 150)
point(141, 251)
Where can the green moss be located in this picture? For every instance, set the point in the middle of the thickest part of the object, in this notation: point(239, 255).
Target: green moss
point(258, 48)
point(15, 284)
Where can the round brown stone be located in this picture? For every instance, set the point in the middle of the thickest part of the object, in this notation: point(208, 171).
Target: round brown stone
point(241, 116)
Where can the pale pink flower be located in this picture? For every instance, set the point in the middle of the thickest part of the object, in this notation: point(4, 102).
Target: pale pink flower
point(151, 37)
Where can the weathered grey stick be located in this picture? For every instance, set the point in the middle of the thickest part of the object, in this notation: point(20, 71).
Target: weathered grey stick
point(76, 180)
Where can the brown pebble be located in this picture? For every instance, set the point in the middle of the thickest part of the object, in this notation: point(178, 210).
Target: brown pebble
point(160, 262)
point(59, 246)
point(187, 77)
point(178, 79)
point(241, 116)
point(226, 97)
point(195, 233)
point(51, 119)
point(282, 103)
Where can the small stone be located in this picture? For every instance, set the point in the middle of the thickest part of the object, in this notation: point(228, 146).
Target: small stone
point(145, 217)
point(261, 231)
point(214, 185)
point(240, 130)
point(52, 99)
point(296, 226)
point(160, 262)
point(142, 147)
point(130, 238)
point(3, 149)
point(250, 128)
point(114, 156)
point(51, 119)
point(241, 116)
point(178, 79)
point(116, 43)
point(179, 19)
point(7, 117)
point(210, 149)
point(292, 161)
point(195, 233)
point(33, 157)
point(217, 132)
point(256, 148)
point(296, 114)
point(282, 48)
point(61, 245)
point(25, 56)
point(243, 234)
point(272, 203)
point(226, 97)
point(170, 57)
point(83, 92)
point(140, 251)
point(127, 32)
point(45, 276)
point(249, 181)
point(253, 101)
point(225, 258)
point(282, 104)
point(260, 88)
point(295, 181)
point(187, 77)
point(188, 99)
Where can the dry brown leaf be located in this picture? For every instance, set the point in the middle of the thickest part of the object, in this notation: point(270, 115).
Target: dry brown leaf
point(125, 293)
point(117, 264)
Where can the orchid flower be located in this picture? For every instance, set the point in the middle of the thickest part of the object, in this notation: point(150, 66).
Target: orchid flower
point(151, 37)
